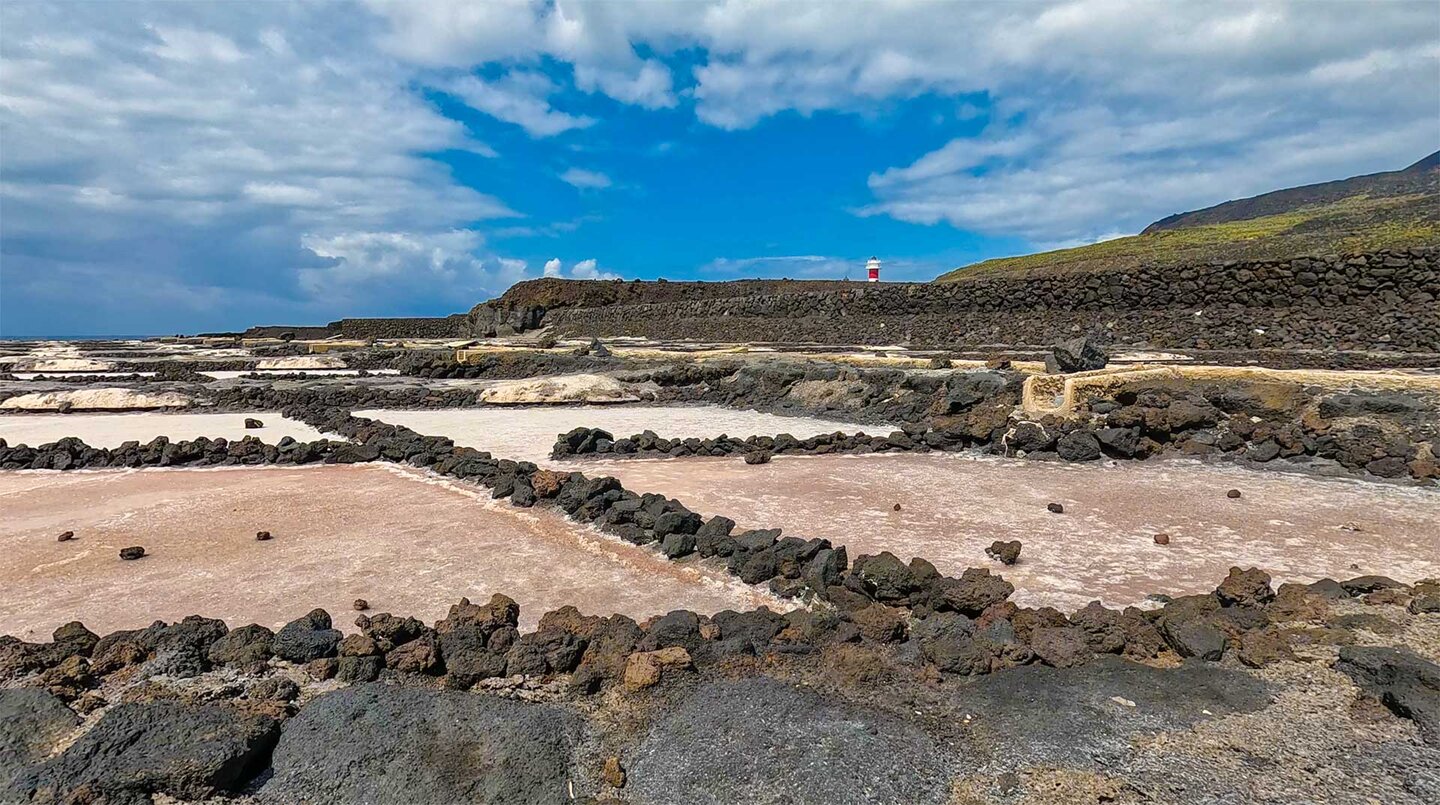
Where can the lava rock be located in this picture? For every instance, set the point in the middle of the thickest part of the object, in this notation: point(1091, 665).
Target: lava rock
point(677, 545)
point(418, 656)
point(65, 536)
point(1076, 355)
point(1061, 647)
point(1055, 508)
point(1006, 552)
point(351, 670)
point(136, 749)
point(1364, 585)
point(974, 592)
point(360, 605)
point(1195, 638)
point(883, 577)
point(306, 639)
point(645, 669)
point(132, 553)
point(1404, 682)
point(1233, 494)
point(1162, 539)
point(719, 745)
point(758, 457)
point(253, 424)
point(1078, 446)
point(881, 623)
point(31, 723)
point(378, 743)
point(262, 536)
point(244, 647)
point(1245, 588)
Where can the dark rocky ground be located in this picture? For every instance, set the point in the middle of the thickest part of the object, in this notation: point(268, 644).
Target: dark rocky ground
point(805, 716)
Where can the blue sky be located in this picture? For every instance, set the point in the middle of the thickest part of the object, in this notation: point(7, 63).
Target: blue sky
point(179, 167)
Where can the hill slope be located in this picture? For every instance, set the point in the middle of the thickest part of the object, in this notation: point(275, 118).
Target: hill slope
point(1381, 210)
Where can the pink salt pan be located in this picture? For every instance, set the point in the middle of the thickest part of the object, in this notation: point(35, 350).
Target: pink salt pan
point(407, 542)
point(953, 506)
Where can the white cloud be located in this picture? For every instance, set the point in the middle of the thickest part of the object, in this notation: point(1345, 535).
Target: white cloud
point(1105, 113)
point(586, 270)
point(648, 87)
point(583, 270)
point(361, 260)
point(595, 38)
point(584, 179)
point(226, 157)
point(520, 98)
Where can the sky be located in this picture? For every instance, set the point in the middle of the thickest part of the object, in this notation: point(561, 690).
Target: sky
point(202, 166)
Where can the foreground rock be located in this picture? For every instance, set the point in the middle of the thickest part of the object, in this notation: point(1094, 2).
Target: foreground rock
point(31, 722)
point(760, 740)
point(1402, 681)
point(1052, 716)
point(375, 743)
point(154, 748)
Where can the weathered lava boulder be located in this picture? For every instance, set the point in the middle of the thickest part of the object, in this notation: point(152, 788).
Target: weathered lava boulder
point(1075, 355)
point(138, 749)
point(1407, 684)
point(377, 743)
point(761, 740)
point(308, 638)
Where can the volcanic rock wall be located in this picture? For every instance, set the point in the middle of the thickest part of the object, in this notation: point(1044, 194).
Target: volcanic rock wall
point(453, 326)
point(416, 327)
point(1382, 300)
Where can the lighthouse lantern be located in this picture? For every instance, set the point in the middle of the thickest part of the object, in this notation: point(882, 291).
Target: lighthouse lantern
point(872, 269)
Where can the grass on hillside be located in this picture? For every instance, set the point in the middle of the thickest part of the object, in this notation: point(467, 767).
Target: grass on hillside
point(1354, 224)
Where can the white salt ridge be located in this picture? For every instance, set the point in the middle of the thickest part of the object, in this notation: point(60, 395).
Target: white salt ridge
point(107, 399)
point(582, 388)
point(64, 365)
point(302, 362)
point(230, 375)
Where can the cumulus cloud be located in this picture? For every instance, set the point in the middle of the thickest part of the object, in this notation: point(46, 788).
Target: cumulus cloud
point(584, 179)
point(1103, 113)
point(583, 270)
point(589, 270)
point(363, 266)
point(169, 163)
point(519, 97)
point(596, 38)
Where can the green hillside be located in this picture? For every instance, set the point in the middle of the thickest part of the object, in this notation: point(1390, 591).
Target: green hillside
point(1393, 209)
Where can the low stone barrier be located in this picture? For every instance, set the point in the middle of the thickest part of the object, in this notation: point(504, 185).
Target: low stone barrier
point(1380, 300)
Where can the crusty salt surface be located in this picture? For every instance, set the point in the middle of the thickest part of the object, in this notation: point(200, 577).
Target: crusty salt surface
point(529, 433)
point(408, 542)
point(953, 506)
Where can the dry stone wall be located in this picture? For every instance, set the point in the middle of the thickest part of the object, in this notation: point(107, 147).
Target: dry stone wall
point(1382, 300)
point(453, 326)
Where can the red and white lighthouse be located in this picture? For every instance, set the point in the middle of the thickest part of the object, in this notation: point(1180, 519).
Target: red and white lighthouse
point(872, 269)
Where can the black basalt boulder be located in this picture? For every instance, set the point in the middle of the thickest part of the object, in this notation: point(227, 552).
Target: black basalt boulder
point(1076, 355)
point(308, 638)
